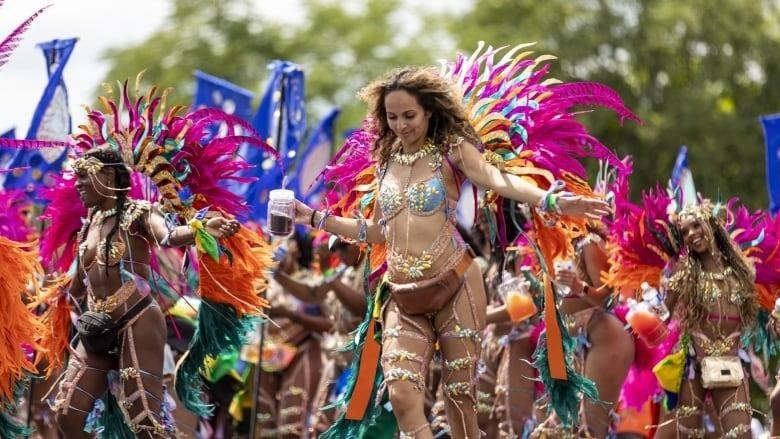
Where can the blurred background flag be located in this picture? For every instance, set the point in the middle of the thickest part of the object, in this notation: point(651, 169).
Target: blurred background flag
point(7, 153)
point(280, 120)
point(681, 183)
point(212, 91)
point(771, 124)
point(281, 116)
point(313, 159)
point(51, 121)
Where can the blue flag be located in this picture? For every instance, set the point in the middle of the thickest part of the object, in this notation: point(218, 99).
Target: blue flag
point(681, 184)
point(771, 126)
point(51, 121)
point(281, 121)
point(281, 116)
point(313, 160)
point(211, 91)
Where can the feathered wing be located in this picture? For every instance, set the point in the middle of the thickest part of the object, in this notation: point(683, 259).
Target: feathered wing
point(21, 331)
point(12, 41)
point(526, 124)
point(758, 236)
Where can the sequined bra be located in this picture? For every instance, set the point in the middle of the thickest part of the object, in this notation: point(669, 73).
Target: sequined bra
point(423, 198)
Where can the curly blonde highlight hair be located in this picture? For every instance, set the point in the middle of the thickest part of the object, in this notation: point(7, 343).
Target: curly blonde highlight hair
point(688, 276)
point(433, 93)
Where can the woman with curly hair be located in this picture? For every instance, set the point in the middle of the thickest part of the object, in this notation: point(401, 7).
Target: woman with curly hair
point(425, 149)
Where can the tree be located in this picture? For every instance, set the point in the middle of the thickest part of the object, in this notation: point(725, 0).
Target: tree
point(340, 49)
point(696, 72)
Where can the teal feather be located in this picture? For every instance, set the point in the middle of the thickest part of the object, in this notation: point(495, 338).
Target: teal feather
point(219, 330)
point(377, 420)
point(113, 422)
point(9, 426)
point(564, 395)
point(760, 339)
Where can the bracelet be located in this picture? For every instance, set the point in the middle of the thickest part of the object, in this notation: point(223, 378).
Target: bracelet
point(321, 223)
point(549, 202)
point(311, 220)
point(362, 235)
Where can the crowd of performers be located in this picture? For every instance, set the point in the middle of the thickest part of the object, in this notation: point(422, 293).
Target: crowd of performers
point(138, 305)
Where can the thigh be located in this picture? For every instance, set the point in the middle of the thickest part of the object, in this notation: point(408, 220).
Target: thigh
point(733, 409)
point(407, 346)
point(83, 381)
point(460, 325)
point(141, 368)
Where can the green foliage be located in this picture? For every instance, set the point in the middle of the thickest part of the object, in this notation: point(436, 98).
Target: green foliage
point(340, 49)
point(697, 72)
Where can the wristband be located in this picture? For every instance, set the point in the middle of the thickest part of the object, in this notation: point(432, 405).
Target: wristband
point(311, 220)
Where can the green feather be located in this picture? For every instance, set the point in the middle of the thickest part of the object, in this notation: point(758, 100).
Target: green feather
point(378, 422)
point(112, 421)
point(565, 395)
point(760, 339)
point(207, 244)
point(219, 330)
point(9, 426)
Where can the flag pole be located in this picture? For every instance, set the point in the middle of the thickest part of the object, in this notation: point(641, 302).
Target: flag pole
point(257, 373)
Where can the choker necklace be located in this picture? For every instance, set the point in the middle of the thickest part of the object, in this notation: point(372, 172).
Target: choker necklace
point(409, 159)
point(99, 216)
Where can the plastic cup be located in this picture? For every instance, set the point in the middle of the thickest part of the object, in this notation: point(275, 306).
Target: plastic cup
point(281, 213)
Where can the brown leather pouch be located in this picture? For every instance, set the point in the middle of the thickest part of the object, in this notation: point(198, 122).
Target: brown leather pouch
point(430, 295)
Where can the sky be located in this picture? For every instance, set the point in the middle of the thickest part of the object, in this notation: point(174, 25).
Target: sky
point(99, 25)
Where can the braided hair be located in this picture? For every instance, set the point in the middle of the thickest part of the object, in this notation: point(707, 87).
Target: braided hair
point(121, 185)
point(688, 275)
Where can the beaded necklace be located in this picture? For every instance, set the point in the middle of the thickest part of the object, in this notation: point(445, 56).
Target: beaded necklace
point(409, 159)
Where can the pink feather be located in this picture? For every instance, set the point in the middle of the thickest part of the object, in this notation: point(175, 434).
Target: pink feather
point(12, 41)
point(64, 212)
point(13, 223)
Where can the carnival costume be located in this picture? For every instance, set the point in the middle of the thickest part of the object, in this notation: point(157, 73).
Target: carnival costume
point(649, 247)
point(525, 129)
point(176, 164)
point(20, 273)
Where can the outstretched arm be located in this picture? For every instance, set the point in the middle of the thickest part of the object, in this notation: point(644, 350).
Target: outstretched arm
point(482, 173)
point(362, 230)
point(217, 226)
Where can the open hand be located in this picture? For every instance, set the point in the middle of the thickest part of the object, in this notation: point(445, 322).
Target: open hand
point(577, 205)
point(220, 227)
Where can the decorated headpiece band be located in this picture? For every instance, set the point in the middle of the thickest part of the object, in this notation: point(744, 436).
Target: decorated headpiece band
point(92, 165)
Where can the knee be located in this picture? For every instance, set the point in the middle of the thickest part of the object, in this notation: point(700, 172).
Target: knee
point(406, 398)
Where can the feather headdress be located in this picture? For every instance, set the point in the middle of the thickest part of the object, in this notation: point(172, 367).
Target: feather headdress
point(182, 160)
point(525, 123)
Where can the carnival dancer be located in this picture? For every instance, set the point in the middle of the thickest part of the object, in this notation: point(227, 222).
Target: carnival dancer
point(291, 354)
point(425, 146)
point(716, 295)
point(344, 304)
point(121, 329)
